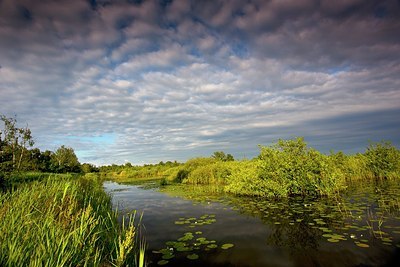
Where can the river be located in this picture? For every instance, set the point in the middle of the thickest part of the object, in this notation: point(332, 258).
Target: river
point(201, 226)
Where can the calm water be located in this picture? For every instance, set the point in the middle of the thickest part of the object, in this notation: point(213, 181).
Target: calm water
point(200, 226)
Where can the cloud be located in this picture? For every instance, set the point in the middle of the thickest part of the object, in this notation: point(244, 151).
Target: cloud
point(143, 82)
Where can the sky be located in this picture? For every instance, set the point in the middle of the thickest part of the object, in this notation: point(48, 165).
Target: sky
point(147, 81)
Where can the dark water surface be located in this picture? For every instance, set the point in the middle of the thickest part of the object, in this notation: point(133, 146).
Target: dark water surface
point(201, 226)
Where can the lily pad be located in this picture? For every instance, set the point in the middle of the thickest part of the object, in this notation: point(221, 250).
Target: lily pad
point(168, 256)
point(332, 240)
point(182, 249)
point(162, 262)
point(227, 246)
point(362, 245)
point(192, 256)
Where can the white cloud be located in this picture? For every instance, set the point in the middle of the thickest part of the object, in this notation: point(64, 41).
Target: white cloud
point(176, 83)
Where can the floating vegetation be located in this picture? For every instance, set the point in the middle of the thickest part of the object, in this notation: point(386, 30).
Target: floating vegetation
point(364, 218)
point(162, 262)
point(190, 241)
point(226, 246)
point(192, 256)
point(361, 245)
point(193, 222)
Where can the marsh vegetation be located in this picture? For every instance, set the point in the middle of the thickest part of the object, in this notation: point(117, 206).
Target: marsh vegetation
point(286, 168)
point(290, 204)
point(64, 221)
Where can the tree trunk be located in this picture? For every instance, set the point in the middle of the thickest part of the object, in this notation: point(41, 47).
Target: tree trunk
point(20, 158)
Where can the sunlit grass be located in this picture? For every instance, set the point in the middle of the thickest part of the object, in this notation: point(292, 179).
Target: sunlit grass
point(64, 222)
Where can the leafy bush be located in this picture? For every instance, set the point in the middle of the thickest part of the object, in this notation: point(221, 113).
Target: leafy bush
point(181, 176)
point(383, 160)
point(303, 170)
point(215, 173)
point(287, 168)
point(245, 180)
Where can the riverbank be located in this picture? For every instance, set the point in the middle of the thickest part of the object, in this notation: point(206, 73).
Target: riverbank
point(287, 168)
point(64, 220)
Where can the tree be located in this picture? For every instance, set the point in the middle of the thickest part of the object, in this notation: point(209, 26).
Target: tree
point(221, 156)
point(14, 143)
point(88, 168)
point(65, 160)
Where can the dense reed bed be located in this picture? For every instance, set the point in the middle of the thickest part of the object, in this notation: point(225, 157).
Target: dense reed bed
point(65, 221)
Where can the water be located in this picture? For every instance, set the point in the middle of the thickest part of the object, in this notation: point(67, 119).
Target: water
point(197, 226)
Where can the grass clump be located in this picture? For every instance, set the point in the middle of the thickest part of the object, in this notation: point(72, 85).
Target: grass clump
point(63, 222)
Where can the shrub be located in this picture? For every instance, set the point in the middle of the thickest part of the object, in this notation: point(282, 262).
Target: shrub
point(287, 168)
point(245, 180)
point(383, 160)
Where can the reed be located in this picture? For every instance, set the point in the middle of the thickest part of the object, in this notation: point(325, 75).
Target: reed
point(63, 222)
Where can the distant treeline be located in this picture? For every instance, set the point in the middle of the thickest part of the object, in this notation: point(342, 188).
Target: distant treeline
point(286, 168)
point(18, 155)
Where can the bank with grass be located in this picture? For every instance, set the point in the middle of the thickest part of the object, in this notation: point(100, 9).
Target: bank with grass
point(64, 220)
point(286, 168)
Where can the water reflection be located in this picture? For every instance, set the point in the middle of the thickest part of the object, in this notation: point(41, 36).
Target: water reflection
point(361, 227)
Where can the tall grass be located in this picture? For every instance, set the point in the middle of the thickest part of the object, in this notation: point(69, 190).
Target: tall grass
point(15, 179)
point(64, 222)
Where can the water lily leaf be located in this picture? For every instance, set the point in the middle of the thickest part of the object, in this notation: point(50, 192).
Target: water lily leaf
point(168, 256)
point(165, 251)
point(332, 240)
point(162, 262)
point(192, 256)
point(181, 249)
point(362, 245)
point(226, 246)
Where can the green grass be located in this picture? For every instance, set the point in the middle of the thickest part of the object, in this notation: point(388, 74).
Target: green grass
point(15, 179)
point(62, 221)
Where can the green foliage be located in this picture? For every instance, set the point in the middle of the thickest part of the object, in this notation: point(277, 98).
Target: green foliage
point(128, 173)
point(221, 156)
point(14, 142)
point(215, 173)
point(304, 171)
point(65, 160)
point(87, 168)
point(288, 167)
point(383, 160)
point(63, 222)
point(16, 155)
point(245, 180)
point(194, 163)
point(181, 175)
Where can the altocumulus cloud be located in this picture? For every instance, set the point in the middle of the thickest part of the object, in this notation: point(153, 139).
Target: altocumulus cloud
point(144, 81)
